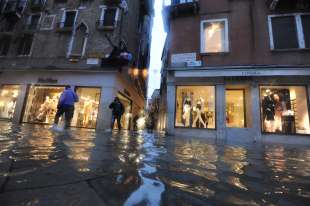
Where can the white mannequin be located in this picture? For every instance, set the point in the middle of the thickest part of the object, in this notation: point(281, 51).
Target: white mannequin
point(199, 109)
point(187, 111)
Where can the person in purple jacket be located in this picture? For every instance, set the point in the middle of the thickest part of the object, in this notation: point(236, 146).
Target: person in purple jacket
point(66, 106)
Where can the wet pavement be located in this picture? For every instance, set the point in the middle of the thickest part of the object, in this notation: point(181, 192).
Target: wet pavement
point(82, 167)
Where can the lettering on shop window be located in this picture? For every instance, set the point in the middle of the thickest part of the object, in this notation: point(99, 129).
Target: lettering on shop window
point(251, 73)
point(47, 80)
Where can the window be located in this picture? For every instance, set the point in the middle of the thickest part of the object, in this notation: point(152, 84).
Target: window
point(108, 17)
point(8, 98)
point(214, 36)
point(284, 109)
point(48, 22)
point(235, 108)
point(289, 31)
point(25, 44)
point(305, 19)
point(5, 42)
point(79, 41)
point(68, 19)
point(33, 22)
point(195, 107)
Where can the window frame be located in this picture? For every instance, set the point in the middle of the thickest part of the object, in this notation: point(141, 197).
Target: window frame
point(226, 40)
point(10, 45)
point(64, 15)
point(102, 13)
point(29, 21)
point(52, 24)
point(30, 50)
point(260, 107)
point(299, 29)
point(215, 108)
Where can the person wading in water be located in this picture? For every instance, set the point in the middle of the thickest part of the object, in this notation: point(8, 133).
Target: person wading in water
point(117, 112)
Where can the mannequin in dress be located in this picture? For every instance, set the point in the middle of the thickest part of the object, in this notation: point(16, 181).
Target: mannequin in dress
point(187, 106)
point(199, 109)
point(268, 105)
point(87, 109)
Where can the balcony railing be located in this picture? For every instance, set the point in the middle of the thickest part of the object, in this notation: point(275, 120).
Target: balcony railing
point(182, 8)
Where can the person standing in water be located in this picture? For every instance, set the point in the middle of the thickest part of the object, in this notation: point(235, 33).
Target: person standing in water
point(66, 106)
point(117, 112)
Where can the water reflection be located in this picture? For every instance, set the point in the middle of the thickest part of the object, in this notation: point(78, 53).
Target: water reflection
point(146, 169)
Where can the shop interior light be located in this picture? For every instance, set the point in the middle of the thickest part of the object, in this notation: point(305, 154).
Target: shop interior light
point(4, 92)
point(145, 73)
point(135, 72)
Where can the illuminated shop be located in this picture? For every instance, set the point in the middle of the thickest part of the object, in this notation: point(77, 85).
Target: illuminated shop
point(235, 108)
point(8, 98)
point(284, 109)
point(41, 105)
point(195, 107)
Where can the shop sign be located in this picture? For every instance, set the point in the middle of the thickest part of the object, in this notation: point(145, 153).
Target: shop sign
point(47, 80)
point(92, 61)
point(183, 58)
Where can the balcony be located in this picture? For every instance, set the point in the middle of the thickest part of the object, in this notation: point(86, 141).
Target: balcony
point(13, 10)
point(180, 8)
point(61, 27)
point(37, 5)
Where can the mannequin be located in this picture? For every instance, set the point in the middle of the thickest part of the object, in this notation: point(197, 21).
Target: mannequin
point(199, 109)
point(268, 105)
point(187, 106)
point(44, 110)
point(279, 107)
point(127, 116)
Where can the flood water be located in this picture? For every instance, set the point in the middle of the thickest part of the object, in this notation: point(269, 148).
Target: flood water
point(84, 167)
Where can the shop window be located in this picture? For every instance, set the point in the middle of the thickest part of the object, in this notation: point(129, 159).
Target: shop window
point(235, 108)
point(25, 44)
point(284, 110)
point(8, 97)
point(5, 42)
point(86, 110)
point(108, 17)
point(41, 105)
point(289, 31)
point(195, 107)
point(214, 36)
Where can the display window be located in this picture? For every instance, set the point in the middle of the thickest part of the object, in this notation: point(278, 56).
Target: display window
point(127, 116)
point(195, 107)
point(235, 108)
point(86, 110)
point(284, 109)
point(8, 97)
point(41, 105)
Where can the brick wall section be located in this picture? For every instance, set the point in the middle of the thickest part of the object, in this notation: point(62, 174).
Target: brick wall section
point(248, 35)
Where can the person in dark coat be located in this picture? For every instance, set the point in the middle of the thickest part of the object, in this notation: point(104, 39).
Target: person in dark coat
point(66, 106)
point(117, 112)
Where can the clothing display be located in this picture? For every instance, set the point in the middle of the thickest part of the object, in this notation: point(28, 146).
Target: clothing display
point(8, 98)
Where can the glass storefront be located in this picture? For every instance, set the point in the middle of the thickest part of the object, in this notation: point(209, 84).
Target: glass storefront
point(86, 110)
point(8, 97)
point(41, 104)
point(195, 107)
point(284, 109)
point(235, 108)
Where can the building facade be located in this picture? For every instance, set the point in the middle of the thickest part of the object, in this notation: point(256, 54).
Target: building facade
point(100, 47)
point(238, 70)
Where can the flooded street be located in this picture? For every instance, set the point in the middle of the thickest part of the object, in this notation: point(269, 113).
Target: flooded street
point(82, 167)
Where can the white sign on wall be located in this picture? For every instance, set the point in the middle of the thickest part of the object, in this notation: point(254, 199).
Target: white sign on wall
point(183, 58)
point(92, 61)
